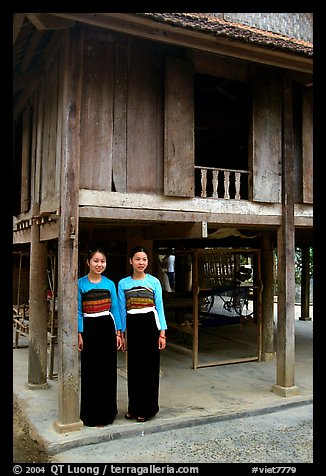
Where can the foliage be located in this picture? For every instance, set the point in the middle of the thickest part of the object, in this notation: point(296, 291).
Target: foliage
point(298, 264)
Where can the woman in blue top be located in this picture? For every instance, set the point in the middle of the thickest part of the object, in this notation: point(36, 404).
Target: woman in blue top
point(99, 337)
point(142, 316)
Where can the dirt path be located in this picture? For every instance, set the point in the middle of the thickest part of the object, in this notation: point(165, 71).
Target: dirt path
point(25, 449)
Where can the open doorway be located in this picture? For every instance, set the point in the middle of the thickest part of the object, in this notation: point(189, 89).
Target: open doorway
point(214, 315)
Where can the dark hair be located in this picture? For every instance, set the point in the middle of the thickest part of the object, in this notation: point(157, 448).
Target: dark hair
point(137, 249)
point(94, 250)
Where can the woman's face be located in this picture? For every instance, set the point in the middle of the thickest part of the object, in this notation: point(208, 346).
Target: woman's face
point(139, 261)
point(97, 263)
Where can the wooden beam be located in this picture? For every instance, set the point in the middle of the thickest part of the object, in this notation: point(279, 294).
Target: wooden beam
point(29, 53)
point(227, 362)
point(158, 216)
point(142, 207)
point(205, 63)
point(43, 21)
point(36, 73)
point(49, 231)
point(174, 231)
point(21, 236)
point(17, 25)
point(27, 91)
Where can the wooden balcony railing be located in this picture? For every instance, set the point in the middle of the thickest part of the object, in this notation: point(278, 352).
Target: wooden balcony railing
point(221, 183)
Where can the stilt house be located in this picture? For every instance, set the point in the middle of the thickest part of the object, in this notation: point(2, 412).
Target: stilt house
point(183, 131)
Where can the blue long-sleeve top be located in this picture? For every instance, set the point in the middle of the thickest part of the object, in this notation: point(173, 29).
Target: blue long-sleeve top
point(97, 299)
point(141, 295)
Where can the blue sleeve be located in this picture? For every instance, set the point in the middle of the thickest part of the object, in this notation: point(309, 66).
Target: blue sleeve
point(80, 311)
point(115, 306)
point(122, 306)
point(159, 304)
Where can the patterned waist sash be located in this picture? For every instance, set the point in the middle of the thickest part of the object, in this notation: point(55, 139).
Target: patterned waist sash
point(97, 303)
point(140, 300)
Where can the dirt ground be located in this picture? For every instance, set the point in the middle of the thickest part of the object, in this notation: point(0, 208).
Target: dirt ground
point(25, 448)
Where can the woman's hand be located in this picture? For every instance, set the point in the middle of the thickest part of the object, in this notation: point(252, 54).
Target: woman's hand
point(119, 342)
point(80, 342)
point(123, 344)
point(161, 342)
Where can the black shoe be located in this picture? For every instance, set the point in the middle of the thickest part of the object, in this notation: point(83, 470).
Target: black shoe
point(129, 416)
point(142, 419)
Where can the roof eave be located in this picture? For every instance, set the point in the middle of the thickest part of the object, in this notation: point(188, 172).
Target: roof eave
point(132, 24)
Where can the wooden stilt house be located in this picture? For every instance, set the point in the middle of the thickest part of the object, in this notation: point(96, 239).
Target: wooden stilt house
point(183, 130)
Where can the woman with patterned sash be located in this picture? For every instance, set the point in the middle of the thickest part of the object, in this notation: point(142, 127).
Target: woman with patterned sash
point(142, 317)
point(99, 337)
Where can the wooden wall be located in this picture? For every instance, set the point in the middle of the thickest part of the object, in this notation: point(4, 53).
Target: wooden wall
point(267, 140)
point(49, 141)
point(97, 111)
point(137, 124)
point(307, 140)
point(121, 115)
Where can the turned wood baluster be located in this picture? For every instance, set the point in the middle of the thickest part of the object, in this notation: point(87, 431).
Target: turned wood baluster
point(226, 184)
point(237, 185)
point(203, 173)
point(215, 183)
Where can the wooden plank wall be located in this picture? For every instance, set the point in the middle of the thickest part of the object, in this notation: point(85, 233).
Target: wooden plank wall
point(119, 152)
point(144, 118)
point(297, 141)
point(179, 147)
point(122, 116)
point(97, 111)
point(25, 170)
point(49, 133)
point(267, 140)
point(307, 146)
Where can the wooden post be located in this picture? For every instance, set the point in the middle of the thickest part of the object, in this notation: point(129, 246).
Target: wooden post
point(195, 291)
point(305, 285)
point(38, 310)
point(68, 364)
point(258, 302)
point(285, 355)
point(268, 352)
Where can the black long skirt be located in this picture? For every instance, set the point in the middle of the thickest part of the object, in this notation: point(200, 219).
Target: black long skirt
point(98, 400)
point(143, 365)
